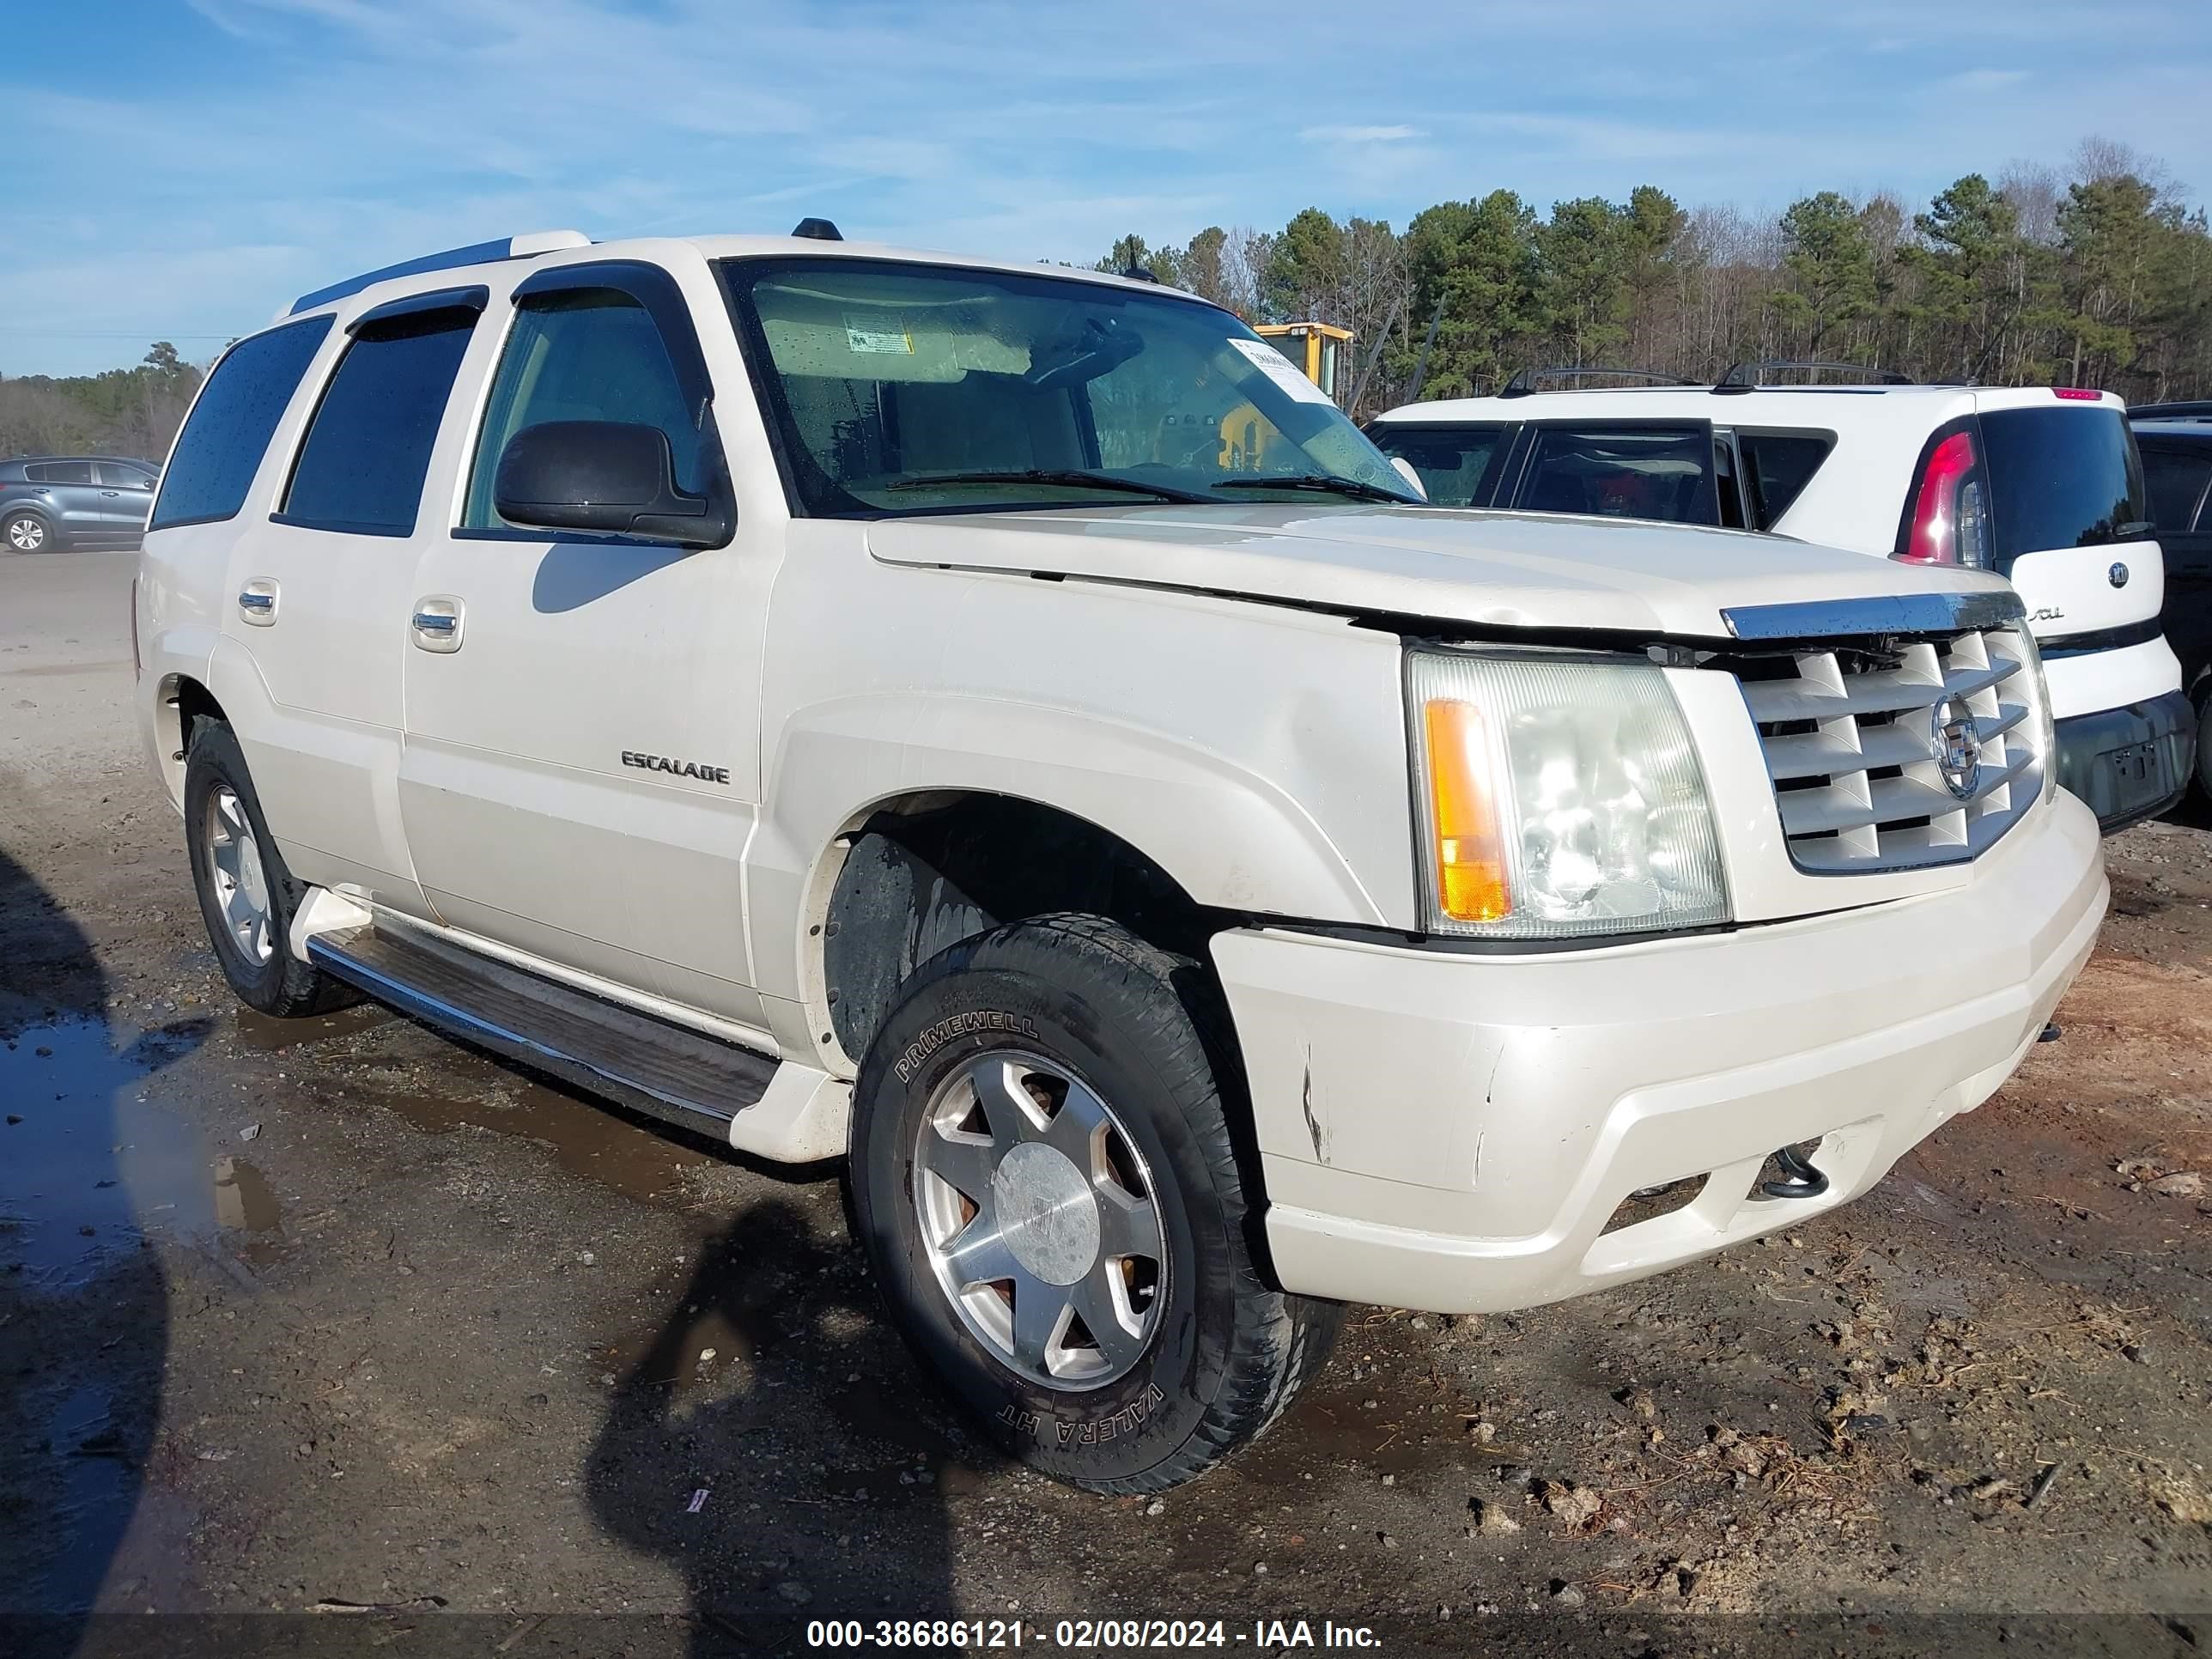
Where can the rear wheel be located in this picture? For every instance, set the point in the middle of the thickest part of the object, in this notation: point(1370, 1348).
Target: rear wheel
point(1049, 1193)
point(247, 898)
point(26, 532)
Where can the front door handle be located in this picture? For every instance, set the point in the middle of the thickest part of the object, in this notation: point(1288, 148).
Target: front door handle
point(257, 602)
point(437, 623)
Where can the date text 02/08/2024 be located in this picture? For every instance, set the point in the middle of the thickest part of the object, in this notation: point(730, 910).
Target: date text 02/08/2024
point(1087, 1634)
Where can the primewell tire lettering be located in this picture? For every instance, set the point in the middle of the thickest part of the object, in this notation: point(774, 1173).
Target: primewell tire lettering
point(986, 1019)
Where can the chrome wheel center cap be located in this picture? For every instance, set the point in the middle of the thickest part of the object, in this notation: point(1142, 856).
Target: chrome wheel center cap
point(1047, 1213)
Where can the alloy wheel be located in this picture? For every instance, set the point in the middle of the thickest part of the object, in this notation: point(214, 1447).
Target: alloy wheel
point(234, 868)
point(1039, 1220)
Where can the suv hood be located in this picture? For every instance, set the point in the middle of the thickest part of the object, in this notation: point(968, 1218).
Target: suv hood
point(1494, 569)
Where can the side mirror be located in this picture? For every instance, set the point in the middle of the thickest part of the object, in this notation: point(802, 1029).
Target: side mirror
point(614, 478)
point(1405, 470)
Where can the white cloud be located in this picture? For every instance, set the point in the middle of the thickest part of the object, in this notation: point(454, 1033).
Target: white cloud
point(1353, 135)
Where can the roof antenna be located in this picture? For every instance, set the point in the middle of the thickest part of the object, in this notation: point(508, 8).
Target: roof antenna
point(817, 230)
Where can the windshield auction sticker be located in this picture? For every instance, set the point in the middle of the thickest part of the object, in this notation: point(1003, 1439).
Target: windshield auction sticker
point(1280, 369)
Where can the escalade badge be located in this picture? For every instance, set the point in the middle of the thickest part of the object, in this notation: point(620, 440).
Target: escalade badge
point(1958, 746)
point(682, 769)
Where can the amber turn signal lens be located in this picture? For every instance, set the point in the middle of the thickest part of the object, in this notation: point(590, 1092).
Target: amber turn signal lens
point(1471, 883)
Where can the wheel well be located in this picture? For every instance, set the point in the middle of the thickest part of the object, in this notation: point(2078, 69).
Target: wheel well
point(183, 701)
point(928, 872)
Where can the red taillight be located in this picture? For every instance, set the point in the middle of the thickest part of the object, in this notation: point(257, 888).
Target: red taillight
point(2080, 394)
point(1950, 522)
point(137, 668)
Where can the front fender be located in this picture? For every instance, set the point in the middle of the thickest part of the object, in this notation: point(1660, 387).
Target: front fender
point(1296, 808)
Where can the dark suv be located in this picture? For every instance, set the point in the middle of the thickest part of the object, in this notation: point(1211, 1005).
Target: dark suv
point(2176, 441)
point(48, 502)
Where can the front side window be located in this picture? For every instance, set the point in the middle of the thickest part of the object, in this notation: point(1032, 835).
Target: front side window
point(220, 449)
point(1458, 465)
point(368, 449)
point(1623, 472)
point(119, 475)
point(902, 388)
point(580, 355)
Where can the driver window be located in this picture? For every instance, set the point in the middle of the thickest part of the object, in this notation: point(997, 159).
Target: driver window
point(585, 354)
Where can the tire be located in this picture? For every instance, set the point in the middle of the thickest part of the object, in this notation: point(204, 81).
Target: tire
point(232, 850)
point(26, 532)
point(1205, 1353)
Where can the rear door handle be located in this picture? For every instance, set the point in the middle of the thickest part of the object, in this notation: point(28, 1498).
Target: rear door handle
point(436, 625)
point(257, 602)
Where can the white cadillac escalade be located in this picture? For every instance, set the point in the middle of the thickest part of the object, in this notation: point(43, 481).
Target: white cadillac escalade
point(1002, 727)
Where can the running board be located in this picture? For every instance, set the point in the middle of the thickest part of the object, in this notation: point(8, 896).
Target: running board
point(666, 1071)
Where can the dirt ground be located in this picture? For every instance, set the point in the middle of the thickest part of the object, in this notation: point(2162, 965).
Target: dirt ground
point(340, 1315)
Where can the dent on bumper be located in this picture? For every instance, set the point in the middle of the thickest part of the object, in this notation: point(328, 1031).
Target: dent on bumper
point(2132, 763)
point(1453, 1132)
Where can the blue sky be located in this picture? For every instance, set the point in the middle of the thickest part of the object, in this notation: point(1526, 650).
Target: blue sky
point(179, 170)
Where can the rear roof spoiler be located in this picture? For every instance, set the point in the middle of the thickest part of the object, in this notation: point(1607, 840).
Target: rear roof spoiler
point(476, 253)
point(1524, 380)
point(1743, 377)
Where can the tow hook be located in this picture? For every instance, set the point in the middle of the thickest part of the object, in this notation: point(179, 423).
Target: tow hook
point(1804, 1180)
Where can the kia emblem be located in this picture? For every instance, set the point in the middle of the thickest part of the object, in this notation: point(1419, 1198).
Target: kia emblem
point(2117, 576)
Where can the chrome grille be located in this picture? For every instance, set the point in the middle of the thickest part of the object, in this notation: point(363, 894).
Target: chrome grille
point(1866, 745)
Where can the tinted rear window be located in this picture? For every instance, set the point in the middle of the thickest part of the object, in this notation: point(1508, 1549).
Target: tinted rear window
point(2176, 479)
point(60, 473)
point(368, 446)
point(1777, 467)
point(220, 448)
point(1458, 465)
point(1622, 472)
point(2060, 478)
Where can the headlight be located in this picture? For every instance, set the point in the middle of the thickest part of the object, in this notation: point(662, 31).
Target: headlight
point(2046, 733)
point(1558, 799)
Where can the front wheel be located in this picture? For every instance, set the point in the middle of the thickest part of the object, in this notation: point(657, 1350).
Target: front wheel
point(1049, 1193)
point(26, 532)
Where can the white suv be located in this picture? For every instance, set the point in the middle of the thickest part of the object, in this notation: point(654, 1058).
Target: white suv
point(2041, 484)
point(1005, 728)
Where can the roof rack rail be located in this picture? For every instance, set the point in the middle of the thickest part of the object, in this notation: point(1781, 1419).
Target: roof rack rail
point(1744, 377)
point(1523, 382)
point(2196, 410)
point(476, 253)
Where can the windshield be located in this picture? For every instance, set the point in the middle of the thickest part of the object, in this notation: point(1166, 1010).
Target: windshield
point(903, 388)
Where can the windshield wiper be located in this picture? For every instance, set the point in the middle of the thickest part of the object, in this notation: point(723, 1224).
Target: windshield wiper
point(1069, 475)
point(1352, 487)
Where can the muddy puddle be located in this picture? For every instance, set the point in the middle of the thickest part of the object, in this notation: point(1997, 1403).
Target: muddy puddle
point(92, 1163)
point(367, 1054)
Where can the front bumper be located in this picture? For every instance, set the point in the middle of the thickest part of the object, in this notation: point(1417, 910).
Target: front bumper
point(1452, 1131)
point(2132, 763)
